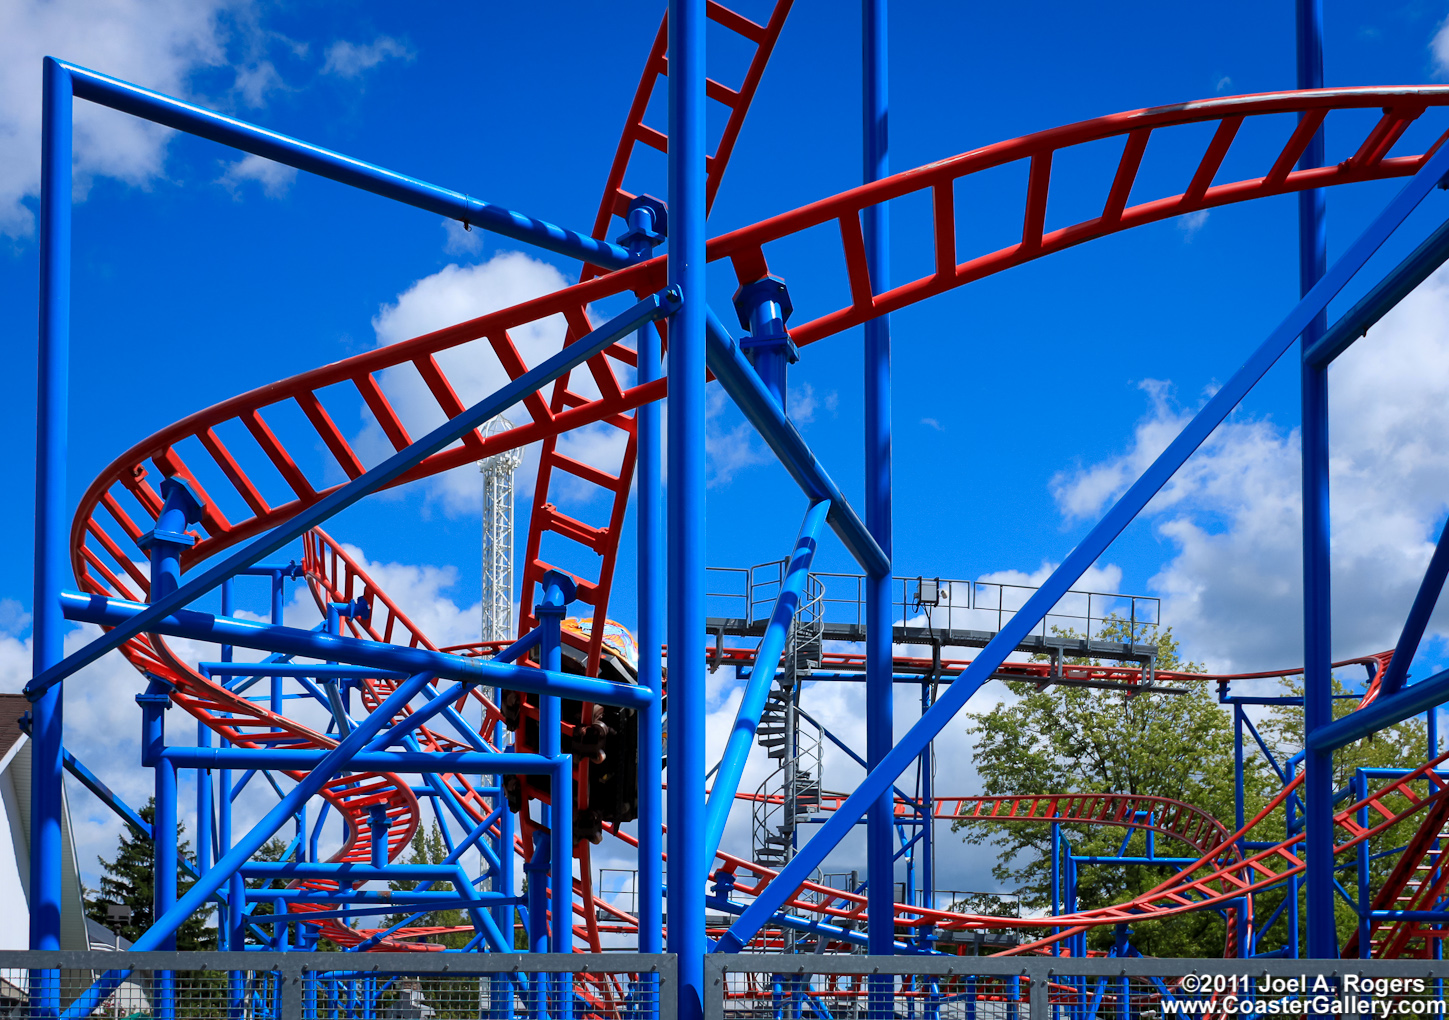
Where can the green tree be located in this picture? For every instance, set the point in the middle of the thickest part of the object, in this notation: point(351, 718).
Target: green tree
point(428, 847)
point(128, 882)
point(1083, 740)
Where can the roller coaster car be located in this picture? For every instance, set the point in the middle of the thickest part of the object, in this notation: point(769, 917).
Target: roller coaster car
point(605, 743)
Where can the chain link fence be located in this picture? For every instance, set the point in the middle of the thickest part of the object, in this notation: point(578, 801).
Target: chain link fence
point(1054, 988)
point(335, 986)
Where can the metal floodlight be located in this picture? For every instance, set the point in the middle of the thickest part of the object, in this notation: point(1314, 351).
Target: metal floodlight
point(928, 592)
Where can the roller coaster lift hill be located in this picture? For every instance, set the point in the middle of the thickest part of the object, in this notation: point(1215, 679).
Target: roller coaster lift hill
point(536, 745)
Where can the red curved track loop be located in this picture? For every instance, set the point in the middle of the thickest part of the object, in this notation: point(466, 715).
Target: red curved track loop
point(242, 465)
point(1417, 882)
point(1174, 818)
point(547, 518)
point(243, 502)
point(1044, 674)
point(333, 576)
point(1210, 882)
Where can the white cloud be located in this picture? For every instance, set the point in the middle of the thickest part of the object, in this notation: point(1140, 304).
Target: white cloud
point(1232, 588)
point(257, 80)
point(461, 240)
point(13, 617)
point(455, 294)
point(1191, 224)
point(275, 178)
point(157, 43)
point(1439, 48)
point(730, 443)
point(349, 60)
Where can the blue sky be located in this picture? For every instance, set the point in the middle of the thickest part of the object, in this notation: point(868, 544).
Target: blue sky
point(1022, 400)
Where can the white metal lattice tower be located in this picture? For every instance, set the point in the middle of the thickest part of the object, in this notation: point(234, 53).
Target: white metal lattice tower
point(498, 535)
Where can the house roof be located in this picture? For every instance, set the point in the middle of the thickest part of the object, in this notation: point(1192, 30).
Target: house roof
point(12, 707)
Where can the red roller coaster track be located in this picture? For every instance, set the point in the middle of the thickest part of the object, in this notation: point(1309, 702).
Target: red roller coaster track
point(210, 447)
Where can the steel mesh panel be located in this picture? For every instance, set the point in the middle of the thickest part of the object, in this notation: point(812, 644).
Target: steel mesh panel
point(199, 994)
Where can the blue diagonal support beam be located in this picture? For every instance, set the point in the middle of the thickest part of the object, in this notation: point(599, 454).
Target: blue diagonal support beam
point(1384, 712)
point(740, 381)
point(762, 678)
point(1384, 295)
point(174, 113)
point(124, 811)
point(1132, 502)
point(653, 307)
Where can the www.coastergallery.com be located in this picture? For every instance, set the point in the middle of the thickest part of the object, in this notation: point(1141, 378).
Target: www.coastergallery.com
point(1313, 1005)
point(1240, 995)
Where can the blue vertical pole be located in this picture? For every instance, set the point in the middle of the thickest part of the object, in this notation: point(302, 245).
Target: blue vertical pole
point(203, 808)
point(645, 230)
point(1239, 808)
point(558, 592)
point(51, 430)
point(501, 1002)
point(1317, 619)
point(879, 688)
point(1365, 900)
point(651, 641)
point(928, 823)
point(278, 683)
point(1056, 881)
point(164, 544)
point(688, 868)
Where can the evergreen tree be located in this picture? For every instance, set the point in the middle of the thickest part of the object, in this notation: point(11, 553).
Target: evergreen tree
point(128, 881)
point(1082, 740)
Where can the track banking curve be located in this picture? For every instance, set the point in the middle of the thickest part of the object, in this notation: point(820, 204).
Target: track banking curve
point(249, 481)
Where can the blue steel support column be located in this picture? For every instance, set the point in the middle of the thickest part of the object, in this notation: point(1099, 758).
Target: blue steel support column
point(1365, 900)
point(504, 913)
point(879, 679)
point(164, 544)
point(1239, 808)
point(928, 823)
point(1317, 620)
point(558, 592)
point(1056, 881)
point(51, 428)
point(278, 683)
point(154, 704)
point(688, 867)
point(645, 227)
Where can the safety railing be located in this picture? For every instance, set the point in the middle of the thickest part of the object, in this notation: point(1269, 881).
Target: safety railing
point(310, 986)
point(937, 603)
point(847, 987)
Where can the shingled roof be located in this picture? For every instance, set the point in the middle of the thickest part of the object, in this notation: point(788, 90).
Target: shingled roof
point(12, 707)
